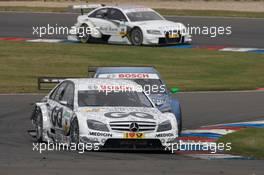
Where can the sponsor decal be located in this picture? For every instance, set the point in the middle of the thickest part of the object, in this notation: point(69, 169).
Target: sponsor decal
point(66, 127)
point(133, 135)
point(124, 114)
point(129, 76)
point(116, 88)
point(101, 134)
point(165, 135)
point(92, 110)
point(67, 114)
point(133, 75)
point(108, 29)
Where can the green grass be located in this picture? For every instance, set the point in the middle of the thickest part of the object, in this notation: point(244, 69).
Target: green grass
point(247, 142)
point(189, 69)
point(173, 12)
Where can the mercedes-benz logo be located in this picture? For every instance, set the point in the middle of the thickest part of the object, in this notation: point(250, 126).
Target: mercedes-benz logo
point(133, 127)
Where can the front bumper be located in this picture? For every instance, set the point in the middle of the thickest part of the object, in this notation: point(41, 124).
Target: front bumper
point(165, 40)
point(133, 144)
point(116, 141)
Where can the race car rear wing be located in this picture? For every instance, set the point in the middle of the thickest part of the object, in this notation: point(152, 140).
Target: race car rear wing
point(92, 70)
point(47, 83)
point(87, 7)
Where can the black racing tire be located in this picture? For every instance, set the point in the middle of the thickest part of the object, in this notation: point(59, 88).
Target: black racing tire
point(180, 124)
point(136, 37)
point(74, 132)
point(82, 35)
point(39, 125)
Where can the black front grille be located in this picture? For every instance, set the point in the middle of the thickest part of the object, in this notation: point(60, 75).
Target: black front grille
point(133, 144)
point(144, 126)
point(169, 40)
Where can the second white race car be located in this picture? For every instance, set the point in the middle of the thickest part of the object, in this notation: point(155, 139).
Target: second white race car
point(127, 25)
point(112, 114)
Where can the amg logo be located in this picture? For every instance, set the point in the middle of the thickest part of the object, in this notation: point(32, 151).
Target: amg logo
point(100, 134)
point(164, 135)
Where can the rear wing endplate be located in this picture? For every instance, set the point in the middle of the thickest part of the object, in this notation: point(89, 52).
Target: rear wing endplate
point(87, 6)
point(49, 81)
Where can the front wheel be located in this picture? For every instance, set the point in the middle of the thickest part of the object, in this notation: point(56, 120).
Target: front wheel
point(74, 132)
point(136, 37)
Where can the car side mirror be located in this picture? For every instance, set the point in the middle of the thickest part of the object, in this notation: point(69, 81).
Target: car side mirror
point(65, 103)
point(158, 103)
point(174, 90)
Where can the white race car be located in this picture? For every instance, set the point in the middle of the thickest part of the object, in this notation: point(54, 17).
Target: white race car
point(127, 25)
point(114, 114)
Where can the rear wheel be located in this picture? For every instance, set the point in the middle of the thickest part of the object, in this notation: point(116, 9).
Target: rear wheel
point(136, 37)
point(39, 126)
point(83, 35)
point(74, 132)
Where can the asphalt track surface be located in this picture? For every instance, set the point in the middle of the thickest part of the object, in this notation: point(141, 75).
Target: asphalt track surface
point(17, 156)
point(246, 32)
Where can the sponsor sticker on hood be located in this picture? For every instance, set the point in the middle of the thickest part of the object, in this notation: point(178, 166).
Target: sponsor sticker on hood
point(129, 76)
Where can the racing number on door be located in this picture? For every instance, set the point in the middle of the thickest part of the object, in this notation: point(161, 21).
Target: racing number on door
point(56, 116)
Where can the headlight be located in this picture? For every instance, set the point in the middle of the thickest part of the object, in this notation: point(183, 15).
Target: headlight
point(164, 126)
point(96, 125)
point(154, 32)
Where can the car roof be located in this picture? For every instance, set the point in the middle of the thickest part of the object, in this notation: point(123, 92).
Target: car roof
point(84, 83)
point(104, 70)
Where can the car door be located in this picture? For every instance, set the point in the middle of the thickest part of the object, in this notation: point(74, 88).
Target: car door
point(67, 102)
point(54, 107)
point(99, 19)
point(117, 22)
point(60, 106)
point(110, 21)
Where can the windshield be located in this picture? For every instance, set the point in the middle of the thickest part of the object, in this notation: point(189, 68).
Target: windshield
point(123, 99)
point(143, 16)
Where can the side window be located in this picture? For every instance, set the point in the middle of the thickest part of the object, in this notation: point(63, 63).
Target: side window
point(69, 94)
point(52, 96)
point(115, 14)
point(101, 13)
point(60, 92)
point(54, 93)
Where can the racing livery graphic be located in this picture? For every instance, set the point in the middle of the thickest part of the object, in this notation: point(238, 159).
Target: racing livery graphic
point(80, 111)
point(127, 25)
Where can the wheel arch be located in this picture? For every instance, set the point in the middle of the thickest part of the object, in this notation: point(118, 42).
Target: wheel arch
point(42, 107)
point(96, 34)
point(133, 28)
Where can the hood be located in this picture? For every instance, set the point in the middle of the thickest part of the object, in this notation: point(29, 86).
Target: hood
point(109, 114)
point(160, 25)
